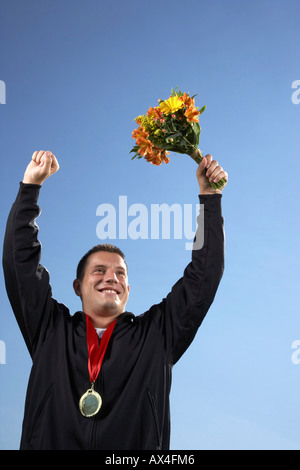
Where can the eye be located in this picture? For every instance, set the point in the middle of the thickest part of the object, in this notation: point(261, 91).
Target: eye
point(99, 270)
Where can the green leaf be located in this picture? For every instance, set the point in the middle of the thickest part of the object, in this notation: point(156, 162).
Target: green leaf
point(134, 149)
point(175, 92)
point(193, 135)
point(202, 109)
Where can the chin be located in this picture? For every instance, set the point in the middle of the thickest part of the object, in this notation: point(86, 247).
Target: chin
point(112, 306)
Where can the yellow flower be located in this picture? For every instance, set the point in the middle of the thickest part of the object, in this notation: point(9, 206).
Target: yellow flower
point(171, 105)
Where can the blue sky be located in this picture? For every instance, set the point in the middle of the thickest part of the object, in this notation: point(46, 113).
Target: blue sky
point(77, 74)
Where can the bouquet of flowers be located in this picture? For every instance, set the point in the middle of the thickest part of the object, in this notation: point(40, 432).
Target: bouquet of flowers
point(173, 126)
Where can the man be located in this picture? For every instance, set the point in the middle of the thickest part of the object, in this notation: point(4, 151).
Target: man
point(114, 396)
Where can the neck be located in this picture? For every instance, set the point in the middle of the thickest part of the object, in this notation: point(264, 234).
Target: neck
point(99, 321)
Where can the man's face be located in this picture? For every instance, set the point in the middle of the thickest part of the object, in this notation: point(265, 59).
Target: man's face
point(104, 289)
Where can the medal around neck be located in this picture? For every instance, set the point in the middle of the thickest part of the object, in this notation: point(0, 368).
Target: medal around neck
point(90, 403)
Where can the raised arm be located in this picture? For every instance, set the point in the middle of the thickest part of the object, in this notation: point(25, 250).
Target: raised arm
point(27, 282)
point(181, 313)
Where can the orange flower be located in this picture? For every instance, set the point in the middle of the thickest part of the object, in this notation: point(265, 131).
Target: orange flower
point(157, 156)
point(146, 149)
point(139, 132)
point(188, 101)
point(164, 156)
point(145, 146)
point(192, 114)
point(155, 113)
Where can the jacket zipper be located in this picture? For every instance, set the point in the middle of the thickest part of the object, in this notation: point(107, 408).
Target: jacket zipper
point(155, 416)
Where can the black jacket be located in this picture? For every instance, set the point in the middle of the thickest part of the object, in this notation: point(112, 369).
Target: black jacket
point(135, 377)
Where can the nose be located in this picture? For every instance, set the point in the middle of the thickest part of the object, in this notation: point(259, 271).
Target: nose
point(110, 276)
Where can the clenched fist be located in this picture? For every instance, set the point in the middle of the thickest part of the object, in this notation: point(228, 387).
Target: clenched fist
point(43, 164)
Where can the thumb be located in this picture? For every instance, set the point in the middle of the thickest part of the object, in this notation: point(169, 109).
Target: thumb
point(201, 168)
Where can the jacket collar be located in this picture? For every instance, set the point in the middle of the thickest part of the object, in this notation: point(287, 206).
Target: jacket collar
point(79, 319)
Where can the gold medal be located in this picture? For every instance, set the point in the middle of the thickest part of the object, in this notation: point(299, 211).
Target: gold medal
point(90, 403)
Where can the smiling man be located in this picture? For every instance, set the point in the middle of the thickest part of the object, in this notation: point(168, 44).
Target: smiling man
point(102, 284)
point(101, 378)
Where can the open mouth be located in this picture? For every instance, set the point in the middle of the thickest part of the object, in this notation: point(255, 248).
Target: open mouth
point(108, 291)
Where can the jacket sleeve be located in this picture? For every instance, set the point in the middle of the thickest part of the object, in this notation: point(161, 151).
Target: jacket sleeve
point(181, 313)
point(27, 282)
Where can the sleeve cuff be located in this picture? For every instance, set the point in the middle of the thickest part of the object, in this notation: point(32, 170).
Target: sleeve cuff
point(28, 193)
point(212, 204)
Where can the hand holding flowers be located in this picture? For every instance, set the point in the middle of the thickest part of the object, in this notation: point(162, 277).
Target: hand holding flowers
point(171, 126)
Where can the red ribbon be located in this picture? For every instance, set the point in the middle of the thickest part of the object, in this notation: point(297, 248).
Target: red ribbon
point(96, 351)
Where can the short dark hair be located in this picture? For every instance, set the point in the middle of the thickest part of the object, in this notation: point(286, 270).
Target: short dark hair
point(103, 247)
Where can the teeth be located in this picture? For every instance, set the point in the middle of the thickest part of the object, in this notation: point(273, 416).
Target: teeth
point(109, 291)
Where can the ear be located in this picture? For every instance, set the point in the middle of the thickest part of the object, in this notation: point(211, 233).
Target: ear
point(77, 287)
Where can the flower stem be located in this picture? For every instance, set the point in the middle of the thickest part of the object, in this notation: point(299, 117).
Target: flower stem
point(197, 156)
